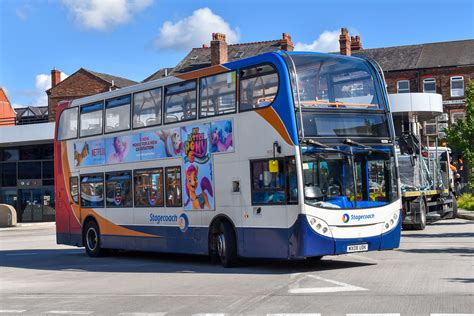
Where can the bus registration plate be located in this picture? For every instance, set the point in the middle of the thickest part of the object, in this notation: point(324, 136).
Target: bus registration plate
point(357, 248)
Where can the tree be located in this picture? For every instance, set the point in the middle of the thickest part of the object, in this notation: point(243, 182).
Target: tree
point(460, 135)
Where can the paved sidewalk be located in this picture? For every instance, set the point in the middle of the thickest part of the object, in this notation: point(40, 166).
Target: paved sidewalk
point(464, 214)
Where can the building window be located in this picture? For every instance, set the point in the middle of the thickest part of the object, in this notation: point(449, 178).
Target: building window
point(218, 94)
point(8, 174)
point(147, 108)
point(429, 85)
point(180, 102)
point(457, 116)
point(403, 86)
point(92, 190)
point(258, 87)
point(67, 128)
point(457, 86)
point(117, 114)
point(149, 187)
point(119, 189)
point(29, 170)
point(91, 119)
point(173, 187)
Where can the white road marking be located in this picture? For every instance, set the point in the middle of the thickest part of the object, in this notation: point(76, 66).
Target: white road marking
point(144, 314)
point(21, 254)
point(294, 314)
point(70, 312)
point(376, 314)
point(210, 314)
point(12, 311)
point(341, 287)
point(447, 314)
point(57, 296)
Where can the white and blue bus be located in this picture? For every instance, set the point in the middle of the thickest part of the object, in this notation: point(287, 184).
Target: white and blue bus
point(281, 155)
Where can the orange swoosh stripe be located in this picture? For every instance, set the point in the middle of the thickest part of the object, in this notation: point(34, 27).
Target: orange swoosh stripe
point(274, 120)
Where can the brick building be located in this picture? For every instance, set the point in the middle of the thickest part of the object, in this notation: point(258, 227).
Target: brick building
point(444, 68)
point(80, 84)
point(7, 114)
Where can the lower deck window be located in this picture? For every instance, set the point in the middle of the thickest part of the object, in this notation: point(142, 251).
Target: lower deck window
point(92, 190)
point(149, 187)
point(74, 189)
point(119, 189)
point(173, 187)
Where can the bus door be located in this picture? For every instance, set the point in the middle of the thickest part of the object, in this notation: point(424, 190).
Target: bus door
point(273, 194)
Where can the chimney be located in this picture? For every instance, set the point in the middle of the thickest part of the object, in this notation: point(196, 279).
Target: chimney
point(344, 42)
point(286, 43)
point(218, 49)
point(355, 43)
point(55, 77)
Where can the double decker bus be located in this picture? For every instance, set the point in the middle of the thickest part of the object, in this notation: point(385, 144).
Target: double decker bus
point(281, 155)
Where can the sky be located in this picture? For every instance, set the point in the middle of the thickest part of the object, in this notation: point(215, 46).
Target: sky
point(134, 38)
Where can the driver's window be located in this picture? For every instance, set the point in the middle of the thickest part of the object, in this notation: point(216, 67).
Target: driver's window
point(180, 102)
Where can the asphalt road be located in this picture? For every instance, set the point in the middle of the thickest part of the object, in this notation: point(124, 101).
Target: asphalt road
point(432, 273)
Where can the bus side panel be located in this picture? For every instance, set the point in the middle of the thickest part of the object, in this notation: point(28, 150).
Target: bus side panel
point(63, 235)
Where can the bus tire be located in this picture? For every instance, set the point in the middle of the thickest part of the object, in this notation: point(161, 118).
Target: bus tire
point(454, 212)
point(227, 245)
point(421, 220)
point(92, 239)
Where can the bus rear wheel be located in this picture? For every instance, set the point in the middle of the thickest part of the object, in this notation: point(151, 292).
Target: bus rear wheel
point(92, 239)
point(226, 245)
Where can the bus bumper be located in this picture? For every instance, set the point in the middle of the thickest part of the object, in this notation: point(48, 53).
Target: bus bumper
point(305, 242)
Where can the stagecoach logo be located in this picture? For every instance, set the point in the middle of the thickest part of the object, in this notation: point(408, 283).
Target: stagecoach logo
point(346, 217)
point(183, 222)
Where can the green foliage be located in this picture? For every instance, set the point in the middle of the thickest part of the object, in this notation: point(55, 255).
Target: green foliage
point(460, 136)
point(466, 201)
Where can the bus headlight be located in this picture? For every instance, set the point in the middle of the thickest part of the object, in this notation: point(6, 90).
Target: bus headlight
point(391, 221)
point(319, 226)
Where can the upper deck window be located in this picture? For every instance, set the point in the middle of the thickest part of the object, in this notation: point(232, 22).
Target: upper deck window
point(180, 102)
point(67, 128)
point(334, 82)
point(91, 119)
point(117, 114)
point(258, 86)
point(218, 94)
point(147, 108)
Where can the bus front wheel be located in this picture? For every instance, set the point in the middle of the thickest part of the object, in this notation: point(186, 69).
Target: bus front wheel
point(92, 239)
point(226, 244)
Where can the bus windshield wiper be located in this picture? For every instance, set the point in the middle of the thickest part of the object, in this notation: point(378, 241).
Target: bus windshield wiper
point(351, 143)
point(315, 143)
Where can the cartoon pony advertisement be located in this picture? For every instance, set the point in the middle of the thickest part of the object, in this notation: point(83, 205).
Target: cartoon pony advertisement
point(221, 137)
point(197, 168)
point(122, 148)
point(89, 153)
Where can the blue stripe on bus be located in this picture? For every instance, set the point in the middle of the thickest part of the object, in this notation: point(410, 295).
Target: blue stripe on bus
point(298, 241)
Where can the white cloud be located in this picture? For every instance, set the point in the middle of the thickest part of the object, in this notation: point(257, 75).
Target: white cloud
point(103, 15)
point(21, 13)
point(43, 83)
point(194, 30)
point(328, 41)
